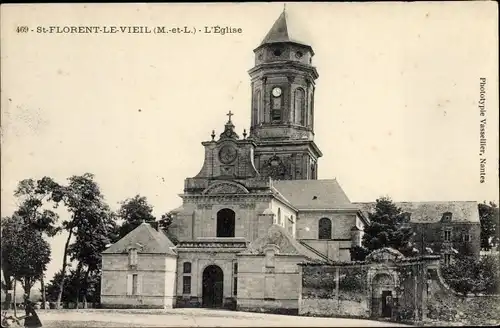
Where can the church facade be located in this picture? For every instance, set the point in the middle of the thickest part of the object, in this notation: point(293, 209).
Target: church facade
point(253, 212)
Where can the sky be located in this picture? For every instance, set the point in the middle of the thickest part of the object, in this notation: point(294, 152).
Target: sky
point(396, 104)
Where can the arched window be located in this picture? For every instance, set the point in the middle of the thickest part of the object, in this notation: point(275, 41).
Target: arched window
point(225, 223)
point(256, 108)
point(325, 229)
point(299, 104)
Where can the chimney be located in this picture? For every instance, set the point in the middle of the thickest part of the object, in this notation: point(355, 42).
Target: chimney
point(154, 224)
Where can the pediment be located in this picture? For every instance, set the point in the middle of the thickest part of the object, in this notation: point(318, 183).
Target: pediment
point(385, 255)
point(225, 187)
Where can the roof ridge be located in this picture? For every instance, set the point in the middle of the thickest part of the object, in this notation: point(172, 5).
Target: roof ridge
point(424, 201)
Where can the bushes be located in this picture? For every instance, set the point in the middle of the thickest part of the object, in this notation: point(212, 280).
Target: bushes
point(467, 275)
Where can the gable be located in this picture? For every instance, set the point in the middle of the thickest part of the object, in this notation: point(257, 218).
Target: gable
point(146, 239)
point(286, 244)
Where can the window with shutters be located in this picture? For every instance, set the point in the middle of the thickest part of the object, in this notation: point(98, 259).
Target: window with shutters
point(135, 284)
point(186, 284)
point(186, 278)
point(447, 235)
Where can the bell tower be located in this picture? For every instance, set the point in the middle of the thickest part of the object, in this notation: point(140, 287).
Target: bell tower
point(282, 118)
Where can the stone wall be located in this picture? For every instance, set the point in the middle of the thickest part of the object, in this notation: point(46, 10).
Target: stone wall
point(263, 287)
point(357, 290)
point(333, 291)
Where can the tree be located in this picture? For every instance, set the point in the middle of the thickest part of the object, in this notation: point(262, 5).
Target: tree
point(164, 223)
point(388, 229)
point(490, 225)
point(91, 239)
point(133, 212)
point(84, 201)
point(74, 286)
point(358, 253)
point(25, 253)
point(32, 195)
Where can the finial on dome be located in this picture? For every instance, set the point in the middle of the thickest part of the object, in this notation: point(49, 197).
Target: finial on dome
point(213, 135)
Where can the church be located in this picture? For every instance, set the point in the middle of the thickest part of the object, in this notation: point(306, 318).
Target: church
point(253, 212)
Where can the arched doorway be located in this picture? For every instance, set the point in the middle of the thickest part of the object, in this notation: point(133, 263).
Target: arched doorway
point(213, 287)
point(225, 223)
point(383, 295)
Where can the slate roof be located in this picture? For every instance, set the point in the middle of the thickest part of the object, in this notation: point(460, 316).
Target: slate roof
point(314, 194)
point(277, 235)
point(150, 240)
point(285, 29)
point(428, 212)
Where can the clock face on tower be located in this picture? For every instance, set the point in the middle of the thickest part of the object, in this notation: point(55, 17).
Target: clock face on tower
point(277, 92)
point(227, 154)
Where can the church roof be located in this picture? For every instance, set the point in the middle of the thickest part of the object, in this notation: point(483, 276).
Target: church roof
point(277, 235)
point(314, 194)
point(285, 29)
point(146, 239)
point(428, 212)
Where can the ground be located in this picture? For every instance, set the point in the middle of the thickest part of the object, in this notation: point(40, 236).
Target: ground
point(190, 318)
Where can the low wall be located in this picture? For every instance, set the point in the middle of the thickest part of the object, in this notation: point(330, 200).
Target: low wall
point(279, 306)
point(346, 305)
point(334, 292)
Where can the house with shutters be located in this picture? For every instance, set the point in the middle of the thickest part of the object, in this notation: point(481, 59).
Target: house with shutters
point(139, 270)
point(442, 228)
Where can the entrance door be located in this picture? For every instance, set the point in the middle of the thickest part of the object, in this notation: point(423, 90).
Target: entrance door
point(213, 287)
point(386, 304)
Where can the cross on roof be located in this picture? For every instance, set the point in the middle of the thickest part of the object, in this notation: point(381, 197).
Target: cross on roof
point(229, 114)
